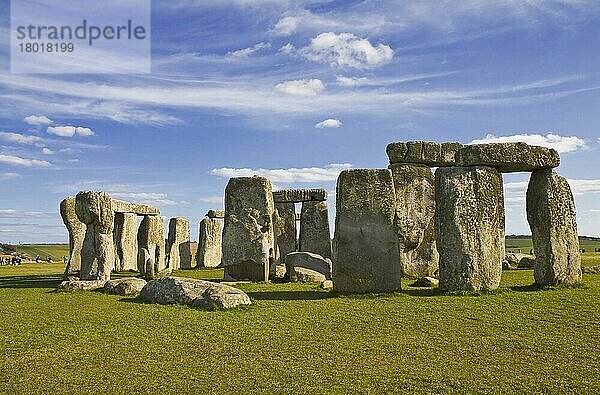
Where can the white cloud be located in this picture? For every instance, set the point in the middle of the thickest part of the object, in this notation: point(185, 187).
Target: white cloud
point(17, 161)
point(10, 213)
point(212, 200)
point(38, 120)
point(301, 87)
point(329, 123)
point(352, 81)
point(560, 143)
point(20, 138)
point(285, 26)
point(70, 131)
point(346, 50)
point(8, 176)
point(287, 49)
point(246, 52)
point(581, 187)
point(47, 151)
point(308, 174)
point(160, 199)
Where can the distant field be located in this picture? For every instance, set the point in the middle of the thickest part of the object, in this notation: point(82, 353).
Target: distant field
point(56, 251)
point(525, 244)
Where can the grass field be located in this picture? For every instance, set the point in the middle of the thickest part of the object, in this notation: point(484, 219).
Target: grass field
point(56, 251)
point(297, 339)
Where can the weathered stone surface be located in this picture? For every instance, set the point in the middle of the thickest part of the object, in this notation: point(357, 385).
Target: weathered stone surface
point(94, 209)
point(81, 285)
point(76, 230)
point(366, 243)
point(216, 214)
point(314, 229)
point(178, 244)
point(414, 221)
point(124, 286)
point(303, 275)
point(514, 260)
point(151, 244)
point(425, 282)
point(508, 157)
point(551, 216)
point(423, 152)
point(469, 217)
point(280, 271)
point(308, 260)
point(209, 243)
point(119, 206)
point(248, 237)
point(327, 284)
point(285, 229)
point(299, 195)
point(590, 269)
point(195, 293)
point(125, 237)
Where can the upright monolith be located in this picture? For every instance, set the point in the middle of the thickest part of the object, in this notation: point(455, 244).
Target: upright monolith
point(285, 229)
point(76, 230)
point(315, 236)
point(125, 236)
point(151, 244)
point(248, 238)
point(209, 243)
point(469, 219)
point(552, 218)
point(365, 243)
point(178, 244)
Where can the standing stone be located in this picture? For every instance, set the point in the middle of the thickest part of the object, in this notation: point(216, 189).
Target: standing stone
point(151, 240)
point(469, 218)
point(76, 230)
point(366, 243)
point(209, 252)
point(125, 235)
point(414, 221)
point(178, 245)
point(97, 253)
point(285, 229)
point(248, 238)
point(314, 229)
point(552, 218)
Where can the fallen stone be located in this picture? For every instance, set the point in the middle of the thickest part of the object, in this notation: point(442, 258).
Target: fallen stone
point(178, 244)
point(303, 275)
point(366, 243)
point(209, 252)
point(423, 152)
point(314, 229)
point(526, 263)
point(327, 284)
point(125, 237)
point(552, 219)
point(469, 218)
point(299, 195)
point(94, 209)
point(515, 260)
point(590, 269)
point(248, 236)
point(308, 260)
point(508, 157)
point(280, 271)
point(194, 293)
point(76, 230)
point(124, 286)
point(81, 285)
point(424, 282)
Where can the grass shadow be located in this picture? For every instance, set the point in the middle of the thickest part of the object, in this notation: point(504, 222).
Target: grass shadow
point(42, 281)
point(290, 295)
point(422, 291)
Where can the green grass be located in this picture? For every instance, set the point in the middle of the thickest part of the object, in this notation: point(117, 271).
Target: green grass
point(56, 251)
point(297, 339)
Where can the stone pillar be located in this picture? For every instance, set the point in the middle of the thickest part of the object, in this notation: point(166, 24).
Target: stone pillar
point(552, 218)
point(415, 211)
point(76, 230)
point(178, 245)
point(209, 243)
point(365, 244)
point(248, 238)
point(314, 229)
point(125, 235)
point(285, 229)
point(469, 219)
point(97, 253)
point(151, 238)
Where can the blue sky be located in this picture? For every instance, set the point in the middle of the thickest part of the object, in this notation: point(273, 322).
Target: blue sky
point(297, 91)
